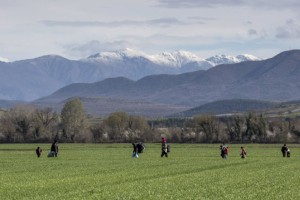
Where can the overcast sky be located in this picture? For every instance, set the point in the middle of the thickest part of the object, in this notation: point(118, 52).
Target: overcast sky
point(78, 28)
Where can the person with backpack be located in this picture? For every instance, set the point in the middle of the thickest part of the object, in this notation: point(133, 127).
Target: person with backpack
point(224, 151)
point(164, 150)
point(54, 149)
point(284, 150)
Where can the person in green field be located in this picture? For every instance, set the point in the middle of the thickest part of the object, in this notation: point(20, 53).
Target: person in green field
point(135, 151)
point(243, 153)
point(54, 149)
point(164, 150)
point(38, 152)
point(224, 151)
point(284, 150)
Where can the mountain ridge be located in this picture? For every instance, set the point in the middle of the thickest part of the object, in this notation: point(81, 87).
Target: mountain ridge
point(268, 80)
point(34, 78)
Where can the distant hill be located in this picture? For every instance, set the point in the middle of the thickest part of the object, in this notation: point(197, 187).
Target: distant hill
point(34, 78)
point(228, 107)
point(104, 106)
point(10, 104)
point(287, 109)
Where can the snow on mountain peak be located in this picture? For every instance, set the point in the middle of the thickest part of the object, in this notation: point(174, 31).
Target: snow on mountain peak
point(3, 59)
point(118, 55)
point(227, 59)
point(247, 57)
point(176, 59)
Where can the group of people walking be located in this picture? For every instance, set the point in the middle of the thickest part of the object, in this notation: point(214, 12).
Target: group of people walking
point(165, 149)
point(139, 148)
point(224, 151)
point(53, 150)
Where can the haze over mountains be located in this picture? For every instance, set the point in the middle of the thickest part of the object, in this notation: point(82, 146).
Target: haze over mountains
point(34, 78)
point(274, 79)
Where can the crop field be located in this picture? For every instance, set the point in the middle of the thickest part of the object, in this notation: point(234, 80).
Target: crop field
point(107, 171)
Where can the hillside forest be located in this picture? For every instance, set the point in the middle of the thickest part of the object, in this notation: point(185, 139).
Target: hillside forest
point(27, 124)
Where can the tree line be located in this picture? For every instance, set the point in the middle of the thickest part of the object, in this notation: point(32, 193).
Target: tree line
point(30, 124)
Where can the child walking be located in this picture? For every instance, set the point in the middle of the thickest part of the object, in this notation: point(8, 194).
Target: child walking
point(243, 153)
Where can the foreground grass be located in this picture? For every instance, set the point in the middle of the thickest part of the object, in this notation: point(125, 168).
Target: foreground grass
point(107, 171)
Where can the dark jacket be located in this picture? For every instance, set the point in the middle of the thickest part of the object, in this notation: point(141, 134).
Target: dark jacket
point(284, 149)
point(54, 147)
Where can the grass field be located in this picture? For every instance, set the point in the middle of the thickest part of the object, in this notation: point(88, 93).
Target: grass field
point(107, 171)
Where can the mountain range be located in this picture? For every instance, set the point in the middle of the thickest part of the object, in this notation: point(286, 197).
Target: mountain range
point(274, 79)
point(31, 79)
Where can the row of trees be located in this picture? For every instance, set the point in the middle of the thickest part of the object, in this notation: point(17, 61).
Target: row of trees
point(28, 124)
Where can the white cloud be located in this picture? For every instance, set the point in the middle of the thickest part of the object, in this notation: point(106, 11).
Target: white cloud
point(79, 28)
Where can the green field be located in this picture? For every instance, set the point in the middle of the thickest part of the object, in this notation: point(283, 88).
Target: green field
point(107, 171)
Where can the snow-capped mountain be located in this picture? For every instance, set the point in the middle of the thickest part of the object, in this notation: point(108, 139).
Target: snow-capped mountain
point(246, 80)
point(247, 57)
point(112, 56)
point(176, 59)
point(3, 59)
point(227, 59)
point(34, 78)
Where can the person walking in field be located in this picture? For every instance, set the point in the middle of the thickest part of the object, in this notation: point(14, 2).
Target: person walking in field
point(135, 151)
point(284, 150)
point(54, 149)
point(164, 150)
point(243, 153)
point(38, 152)
point(224, 151)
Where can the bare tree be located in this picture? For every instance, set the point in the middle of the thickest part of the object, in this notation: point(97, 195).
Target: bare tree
point(73, 119)
point(16, 124)
point(208, 125)
point(235, 126)
point(117, 123)
point(45, 122)
point(137, 126)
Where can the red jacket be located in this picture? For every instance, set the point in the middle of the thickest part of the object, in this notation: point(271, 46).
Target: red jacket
point(226, 150)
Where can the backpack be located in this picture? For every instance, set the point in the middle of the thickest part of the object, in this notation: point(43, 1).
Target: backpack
point(140, 147)
point(223, 150)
